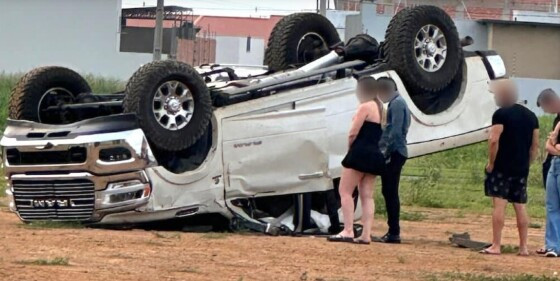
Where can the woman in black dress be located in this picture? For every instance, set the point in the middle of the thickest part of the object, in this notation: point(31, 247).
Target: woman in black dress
point(363, 162)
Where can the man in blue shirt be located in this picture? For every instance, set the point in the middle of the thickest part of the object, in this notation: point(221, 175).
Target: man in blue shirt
point(393, 145)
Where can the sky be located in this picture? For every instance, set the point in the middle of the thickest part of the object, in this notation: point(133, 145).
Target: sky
point(253, 8)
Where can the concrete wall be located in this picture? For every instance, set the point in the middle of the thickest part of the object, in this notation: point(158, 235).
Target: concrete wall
point(233, 50)
point(80, 34)
point(531, 51)
point(339, 19)
point(375, 25)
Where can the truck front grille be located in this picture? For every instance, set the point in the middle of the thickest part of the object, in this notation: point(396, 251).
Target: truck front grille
point(69, 200)
point(74, 155)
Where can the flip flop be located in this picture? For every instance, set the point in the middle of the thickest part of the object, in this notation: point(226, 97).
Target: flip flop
point(541, 251)
point(361, 242)
point(340, 238)
point(486, 252)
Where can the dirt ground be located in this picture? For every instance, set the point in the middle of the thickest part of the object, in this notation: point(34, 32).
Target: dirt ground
point(98, 254)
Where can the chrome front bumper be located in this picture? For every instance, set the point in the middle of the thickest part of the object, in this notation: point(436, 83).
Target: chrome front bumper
point(84, 191)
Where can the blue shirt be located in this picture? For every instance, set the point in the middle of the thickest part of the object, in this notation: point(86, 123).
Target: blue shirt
point(393, 138)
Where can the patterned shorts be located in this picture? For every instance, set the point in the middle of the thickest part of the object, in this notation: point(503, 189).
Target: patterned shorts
point(511, 188)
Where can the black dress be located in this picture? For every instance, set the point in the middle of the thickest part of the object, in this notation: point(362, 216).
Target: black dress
point(364, 154)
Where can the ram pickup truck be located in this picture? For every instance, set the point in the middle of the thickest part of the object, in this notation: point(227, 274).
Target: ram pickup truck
point(260, 146)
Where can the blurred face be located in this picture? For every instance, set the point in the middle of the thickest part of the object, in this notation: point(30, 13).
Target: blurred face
point(550, 105)
point(364, 94)
point(385, 95)
point(505, 93)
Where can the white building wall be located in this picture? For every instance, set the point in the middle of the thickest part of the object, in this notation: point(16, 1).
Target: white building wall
point(80, 34)
point(233, 50)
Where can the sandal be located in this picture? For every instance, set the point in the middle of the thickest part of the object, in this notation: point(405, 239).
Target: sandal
point(541, 251)
point(361, 242)
point(340, 238)
point(486, 252)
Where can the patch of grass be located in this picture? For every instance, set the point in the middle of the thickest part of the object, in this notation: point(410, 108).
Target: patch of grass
point(189, 269)
point(412, 216)
point(401, 259)
point(52, 224)
point(56, 261)
point(509, 249)
point(215, 235)
point(7, 82)
point(535, 225)
point(2, 184)
point(104, 85)
point(480, 277)
point(380, 208)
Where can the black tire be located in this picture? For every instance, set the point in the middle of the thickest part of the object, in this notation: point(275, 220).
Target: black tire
point(401, 53)
point(139, 99)
point(298, 30)
point(30, 93)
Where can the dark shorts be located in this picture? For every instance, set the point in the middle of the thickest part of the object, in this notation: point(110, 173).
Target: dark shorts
point(508, 187)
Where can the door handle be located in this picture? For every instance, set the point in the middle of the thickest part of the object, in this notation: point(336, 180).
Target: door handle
point(311, 176)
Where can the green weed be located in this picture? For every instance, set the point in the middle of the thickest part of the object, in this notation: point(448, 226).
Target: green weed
point(479, 277)
point(412, 216)
point(56, 261)
point(535, 225)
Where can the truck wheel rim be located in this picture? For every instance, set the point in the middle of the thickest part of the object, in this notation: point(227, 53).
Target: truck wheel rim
point(53, 97)
point(311, 47)
point(173, 105)
point(430, 47)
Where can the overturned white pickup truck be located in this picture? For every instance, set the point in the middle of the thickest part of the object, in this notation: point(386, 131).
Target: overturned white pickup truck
point(262, 149)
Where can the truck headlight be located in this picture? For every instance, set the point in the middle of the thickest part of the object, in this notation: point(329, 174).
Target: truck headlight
point(10, 196)
point(123, 193)
point(128, 190)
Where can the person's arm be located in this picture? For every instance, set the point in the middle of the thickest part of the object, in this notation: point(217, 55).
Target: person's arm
point(493, 145)
point(357, 123)
point(551, 143)
point(396, 119)
point(534, 146)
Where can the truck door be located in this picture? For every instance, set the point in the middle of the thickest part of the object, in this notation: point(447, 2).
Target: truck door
point(275, 153)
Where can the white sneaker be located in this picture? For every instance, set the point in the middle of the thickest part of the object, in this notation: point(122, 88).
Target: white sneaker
point(551, 254)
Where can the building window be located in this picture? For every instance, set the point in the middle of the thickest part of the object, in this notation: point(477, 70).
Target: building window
point(249, 44)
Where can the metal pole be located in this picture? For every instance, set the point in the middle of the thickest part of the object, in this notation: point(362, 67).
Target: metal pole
point(323, 7)
point(158, 32)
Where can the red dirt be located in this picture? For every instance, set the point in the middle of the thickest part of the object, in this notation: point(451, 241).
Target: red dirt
point(97, 254)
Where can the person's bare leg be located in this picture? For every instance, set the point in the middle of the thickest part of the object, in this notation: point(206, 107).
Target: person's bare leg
point(522, 227)
point(366, 188)
point(498, 216)
point(348, 182)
